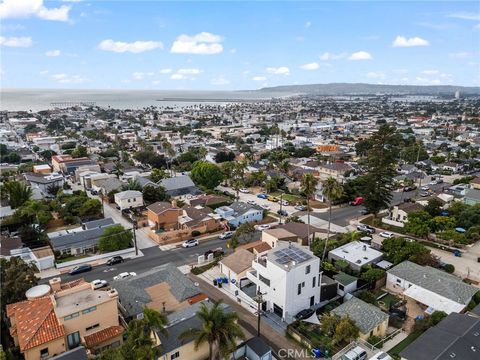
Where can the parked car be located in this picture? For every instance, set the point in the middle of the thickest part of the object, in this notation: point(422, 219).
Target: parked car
point(409, 188)
point(216, 252)
point(226, 235)
point(304, 314)
point(262, 196)
point(262, 227)
point(272, 198)
point(282, 213)
point(98, 284)
point(381, 356)
point(425, 188)
point(301, 208)
point(357, 201)
point(357, 353)
point(80, 269)
point(387, 234)
point(93, 192)
point(284, 202)
point(251, 202)
point(244, 190)
point(366, 228)
point(424, 193)
point(228, 193)
point(265, 206)
point(124, 275)
point(115, 260)
point(190, 243)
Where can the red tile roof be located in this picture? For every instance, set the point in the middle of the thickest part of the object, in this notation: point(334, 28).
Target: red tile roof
point(35, 322)
point(103, 335)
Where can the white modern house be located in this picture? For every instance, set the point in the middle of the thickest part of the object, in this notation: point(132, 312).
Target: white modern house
point(289, 278)
point(129, 199)
point(356, 254)
point(239, 212)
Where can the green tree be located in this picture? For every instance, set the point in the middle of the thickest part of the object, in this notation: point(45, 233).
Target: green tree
point(219, 329)
point(34, 212)
point(345, 331)
point(17, 277)
point(18, 193)
point(308, 186)
point(372, 275)
point(328, 323)
point(449, 268)
point(153, 194)
point(434, 207)
point(158, 174)
point(397, 249)
point(333, 191)
point(417, 223)
point(132, 185)
point(441, 223)
point(438, 316)
point(206, 174)
point(80, 151)
point(91, 207)
point(244, 233)
point(114, 238)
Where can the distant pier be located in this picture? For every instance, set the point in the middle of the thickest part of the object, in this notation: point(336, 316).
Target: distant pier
point(68, 104)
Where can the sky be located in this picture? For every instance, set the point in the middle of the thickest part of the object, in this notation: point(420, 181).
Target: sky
point(233, 45)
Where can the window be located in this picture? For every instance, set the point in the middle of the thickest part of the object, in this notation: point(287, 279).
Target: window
point(399, 281)
point(44, 353)
point(303, 284)
point(299, 290)
point(128, 200)
point(90, 309)
point(92, 327)
point(73, 340)
point(307, 269)
point(264, 279)
point(314, 281)
point(176, 355)
point(341, 287)
point(71, 316)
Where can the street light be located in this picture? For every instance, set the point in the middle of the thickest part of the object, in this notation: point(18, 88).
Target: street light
point(259, 300)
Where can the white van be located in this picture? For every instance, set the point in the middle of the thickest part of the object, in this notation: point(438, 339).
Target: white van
point(357, 353)
point(381, 356)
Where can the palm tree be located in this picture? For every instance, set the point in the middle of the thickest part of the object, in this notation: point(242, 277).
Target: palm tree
point(308, 187)
point(18, 193)
point(284, 166)
point(167, 146)
point(332, 190)
point(132, 185)
point(219, 329)
point(117, 168)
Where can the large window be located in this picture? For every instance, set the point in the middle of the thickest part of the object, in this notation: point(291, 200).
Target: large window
point(92, 327)
point(90, 309)
point(299, 289)
point(314, 281)
point(264, 279)
point(307, 269)
point(175, 356)
point(44, 353)
point(73, 340)
point(71, 316)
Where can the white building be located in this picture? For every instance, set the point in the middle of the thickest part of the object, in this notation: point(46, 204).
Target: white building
point(289, 278)
point(356, 254)
point(129, 199)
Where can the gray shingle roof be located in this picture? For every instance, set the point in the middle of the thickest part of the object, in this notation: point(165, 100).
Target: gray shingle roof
point(177, 182)
point(366, 316)
point(98, 223)
point(434, 280)
point(241, 208)
point(132, 292)
point(128, 194)
point(84, 238)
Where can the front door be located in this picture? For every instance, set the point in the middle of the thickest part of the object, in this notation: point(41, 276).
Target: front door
point(312, 300)
point(73, 340)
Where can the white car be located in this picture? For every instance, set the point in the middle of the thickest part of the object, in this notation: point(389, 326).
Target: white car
point(251, 202)
point(262, 227)
point(265, 206)
point(424, 188)
point(190, 243)
point(226, 235)
point(98, 284)
point(387, 234)
point(244, 190)
point(124, 275)
point(285, 203)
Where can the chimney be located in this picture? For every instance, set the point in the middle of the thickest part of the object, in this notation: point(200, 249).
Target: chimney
point(113, 293)
point(55, 284)
point(174, 203)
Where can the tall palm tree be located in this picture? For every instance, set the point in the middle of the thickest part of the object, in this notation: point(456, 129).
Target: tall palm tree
point(167, 146)
point(18, 193)
point(332, 190)
point(117, 168)
point(132, 185)
point(308, 186)
point(219, 329)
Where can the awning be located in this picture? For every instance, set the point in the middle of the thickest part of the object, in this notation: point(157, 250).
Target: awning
point(433, 300)
point(313, 319)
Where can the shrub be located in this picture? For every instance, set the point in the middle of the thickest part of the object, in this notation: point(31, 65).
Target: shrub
point(438, 316)
point(449, 268)
point(375, 340)
point(195, 233)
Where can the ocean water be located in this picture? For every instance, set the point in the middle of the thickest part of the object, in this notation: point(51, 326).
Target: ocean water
point(38, 99)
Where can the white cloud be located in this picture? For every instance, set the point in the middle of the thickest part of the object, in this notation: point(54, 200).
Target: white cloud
point(16, 41)
point(430, 72)
point(465, 16)
point(360, 55)
point(376, 75)
point(133, 47)
point(44, 72)
point(427, 81)
point(259, 78)
point(402, 41)
point(282, 70)
point(329, 56)
point(460, 55)
point(165, 71)
point(308, 24)
point(189, 71)
point(69, 79)
point(177, 76)
point(219, 81)
point(53, 53)
point(29, 8)
point(310, 66)
point(185, 74)
point(138, 75)
point(203, 43)
point(233, 51)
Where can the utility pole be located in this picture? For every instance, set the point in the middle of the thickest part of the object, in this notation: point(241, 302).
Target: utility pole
point(135, 237)
point(259, 300)
point(281, 201)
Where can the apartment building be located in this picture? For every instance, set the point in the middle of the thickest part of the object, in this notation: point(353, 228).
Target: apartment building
point(289, 278)
point(61, 317)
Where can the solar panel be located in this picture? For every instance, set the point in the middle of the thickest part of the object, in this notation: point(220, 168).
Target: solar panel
point(284, 256)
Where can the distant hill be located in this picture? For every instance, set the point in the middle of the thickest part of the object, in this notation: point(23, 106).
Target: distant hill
point(371, 89)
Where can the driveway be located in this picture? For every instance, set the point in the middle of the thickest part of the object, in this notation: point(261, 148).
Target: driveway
point(465, 266)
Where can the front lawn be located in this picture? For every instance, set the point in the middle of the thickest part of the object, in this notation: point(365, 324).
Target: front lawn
point(292, 199)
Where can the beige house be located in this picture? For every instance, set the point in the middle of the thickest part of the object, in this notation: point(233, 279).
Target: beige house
point(272, 236)
point(129, 199)
point(64, 317)
point(235, 266)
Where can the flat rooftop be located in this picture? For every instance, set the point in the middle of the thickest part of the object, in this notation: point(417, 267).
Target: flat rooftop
point(357, 253)
point(79, 300)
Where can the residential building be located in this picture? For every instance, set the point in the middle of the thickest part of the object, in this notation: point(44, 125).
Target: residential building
point(68, 164)
point(179, 186)
point(347, 284)
point(198, 218)
point(400, 212)
point(239, 212)
point(369, 319)
point(337, 170)
point(235, 265)
point(356, 254)
point(472, 197)
point(455, 337)
point(45, 183)
point(129, 199)
point(163, 216)
point(433, 288)
point(61, 317)
point(254, 349)
point(289, 278)
point(273, 236)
